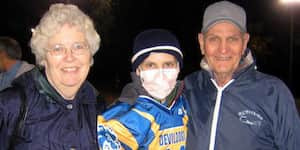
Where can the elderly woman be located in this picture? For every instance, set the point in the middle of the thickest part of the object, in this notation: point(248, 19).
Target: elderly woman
point(53, 106)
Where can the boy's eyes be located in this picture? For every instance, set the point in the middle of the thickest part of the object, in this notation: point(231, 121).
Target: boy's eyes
point(155, 66)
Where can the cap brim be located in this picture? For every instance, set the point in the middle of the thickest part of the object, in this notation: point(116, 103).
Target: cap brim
point(220, 20)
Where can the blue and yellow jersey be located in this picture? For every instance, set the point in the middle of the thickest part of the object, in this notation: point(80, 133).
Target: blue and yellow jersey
point(145, 125)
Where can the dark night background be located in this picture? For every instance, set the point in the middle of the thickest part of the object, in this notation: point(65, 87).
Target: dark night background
point(119, 21)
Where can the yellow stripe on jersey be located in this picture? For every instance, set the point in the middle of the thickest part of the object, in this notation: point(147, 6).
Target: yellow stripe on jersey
point(122, 132)
point(185, 120)
point(100, 119)
point(154, 125)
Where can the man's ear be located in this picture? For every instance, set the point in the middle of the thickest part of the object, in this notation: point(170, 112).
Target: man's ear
point(246, 38)
point(201, 43)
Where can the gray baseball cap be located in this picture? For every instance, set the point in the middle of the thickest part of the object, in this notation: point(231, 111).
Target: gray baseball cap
point(224, 11)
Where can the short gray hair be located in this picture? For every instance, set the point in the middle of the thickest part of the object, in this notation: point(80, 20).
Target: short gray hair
point(56, 17)
point(11, 47)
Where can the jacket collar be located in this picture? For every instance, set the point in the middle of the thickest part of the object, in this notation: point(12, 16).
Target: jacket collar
point(85, 95)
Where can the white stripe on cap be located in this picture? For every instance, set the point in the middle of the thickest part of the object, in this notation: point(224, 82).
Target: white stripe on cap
point(143, 51)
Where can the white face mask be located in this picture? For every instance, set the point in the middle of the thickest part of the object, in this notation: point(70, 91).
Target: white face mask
point(159, 82)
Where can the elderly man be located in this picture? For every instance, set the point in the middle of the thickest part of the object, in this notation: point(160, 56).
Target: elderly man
point(11, 65)
point(234, 106)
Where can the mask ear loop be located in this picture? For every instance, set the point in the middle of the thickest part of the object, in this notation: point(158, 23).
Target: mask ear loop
point(138, 73)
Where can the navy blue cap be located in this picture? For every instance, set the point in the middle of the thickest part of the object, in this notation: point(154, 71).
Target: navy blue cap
point(155, 40)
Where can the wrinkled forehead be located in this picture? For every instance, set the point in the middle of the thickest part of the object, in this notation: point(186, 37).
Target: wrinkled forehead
point(224, 28)
point(222, 22)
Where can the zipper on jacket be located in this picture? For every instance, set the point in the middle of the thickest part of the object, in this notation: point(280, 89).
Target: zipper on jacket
point(213, 130)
